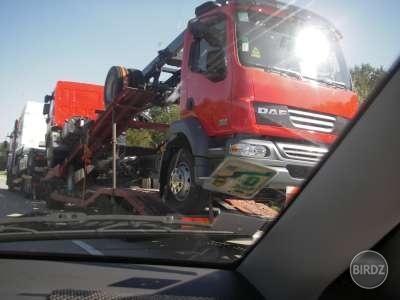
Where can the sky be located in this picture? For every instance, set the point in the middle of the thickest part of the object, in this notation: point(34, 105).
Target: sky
point(43, 41)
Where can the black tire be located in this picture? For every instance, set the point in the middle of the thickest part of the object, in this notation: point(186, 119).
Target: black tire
point(190, 198)
point(114, 83)
point(116, 78)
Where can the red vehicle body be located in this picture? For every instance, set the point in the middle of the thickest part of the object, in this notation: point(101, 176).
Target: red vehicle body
point(231, 99)
point(70, 108)
point(75, 99)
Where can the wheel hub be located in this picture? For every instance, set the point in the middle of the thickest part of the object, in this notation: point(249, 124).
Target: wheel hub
point(180, 181)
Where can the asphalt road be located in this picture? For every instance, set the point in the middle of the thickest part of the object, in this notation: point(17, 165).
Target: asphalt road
point(15, 202)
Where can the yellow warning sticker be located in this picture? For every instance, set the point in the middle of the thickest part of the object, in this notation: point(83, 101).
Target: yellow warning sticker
point(255, 53)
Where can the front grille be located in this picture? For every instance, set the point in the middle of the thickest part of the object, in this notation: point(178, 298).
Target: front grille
point(311, 121)
point(302, 152)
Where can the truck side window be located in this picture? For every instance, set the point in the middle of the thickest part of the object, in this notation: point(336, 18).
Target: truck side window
point(199, 56)
point(206, 53)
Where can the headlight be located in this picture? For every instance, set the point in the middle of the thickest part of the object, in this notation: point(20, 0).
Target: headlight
point(242, 149)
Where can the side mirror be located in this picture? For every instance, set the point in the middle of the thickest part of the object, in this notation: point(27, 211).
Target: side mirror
point(46, 108)
point(48, 98)
point(216, 64)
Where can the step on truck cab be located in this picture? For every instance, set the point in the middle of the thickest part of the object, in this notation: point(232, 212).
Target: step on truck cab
point(69, 110)
point(261, 80)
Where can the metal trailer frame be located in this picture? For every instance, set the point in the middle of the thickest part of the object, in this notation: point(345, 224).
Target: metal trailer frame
point(115, 119)
point(129, 103)
point(100, 136)
point(142, 201)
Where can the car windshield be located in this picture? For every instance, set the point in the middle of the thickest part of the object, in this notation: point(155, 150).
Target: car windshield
point(292, 44)
point(174, 130)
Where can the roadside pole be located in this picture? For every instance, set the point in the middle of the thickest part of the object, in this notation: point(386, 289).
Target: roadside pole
point(114, 151)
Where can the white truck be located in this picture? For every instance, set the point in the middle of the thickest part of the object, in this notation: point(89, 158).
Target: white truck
point(26, 159)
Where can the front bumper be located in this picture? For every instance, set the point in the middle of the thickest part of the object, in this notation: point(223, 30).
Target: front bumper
point(292, 162)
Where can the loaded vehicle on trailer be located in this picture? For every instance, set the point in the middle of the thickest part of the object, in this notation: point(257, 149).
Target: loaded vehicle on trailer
point(261, 81)
point(69, 110)
point(26, 161)
point(75, 119)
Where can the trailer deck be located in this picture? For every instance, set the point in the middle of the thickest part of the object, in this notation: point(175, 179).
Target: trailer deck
point(141, 201)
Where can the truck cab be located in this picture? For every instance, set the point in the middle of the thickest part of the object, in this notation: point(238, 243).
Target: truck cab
point(69, 110)
point(264, 70)
point(264, 81)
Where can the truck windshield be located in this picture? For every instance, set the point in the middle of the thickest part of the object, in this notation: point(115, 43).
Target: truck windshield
point(290, 46)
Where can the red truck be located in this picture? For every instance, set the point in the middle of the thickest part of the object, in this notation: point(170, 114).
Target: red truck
point(69, 109)
point(260, 80)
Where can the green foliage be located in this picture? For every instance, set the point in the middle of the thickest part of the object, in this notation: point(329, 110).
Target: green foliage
point(165, 115)
point(365, 77)
point(139, 138)
point(152, 138)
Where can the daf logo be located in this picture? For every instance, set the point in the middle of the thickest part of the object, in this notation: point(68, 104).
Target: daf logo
point(272, 111)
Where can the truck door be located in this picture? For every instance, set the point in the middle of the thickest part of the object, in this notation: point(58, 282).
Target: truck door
point(206, 75)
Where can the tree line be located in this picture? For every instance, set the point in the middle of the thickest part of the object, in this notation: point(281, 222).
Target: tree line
point(365, 78)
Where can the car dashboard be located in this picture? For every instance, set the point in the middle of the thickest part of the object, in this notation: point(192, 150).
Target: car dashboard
point(44, 279)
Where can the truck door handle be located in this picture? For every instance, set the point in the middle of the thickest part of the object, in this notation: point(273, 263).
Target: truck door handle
point(190, 103)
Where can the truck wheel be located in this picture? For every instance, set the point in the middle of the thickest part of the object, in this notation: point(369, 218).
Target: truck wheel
point(182, 193)
point(117, 79)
